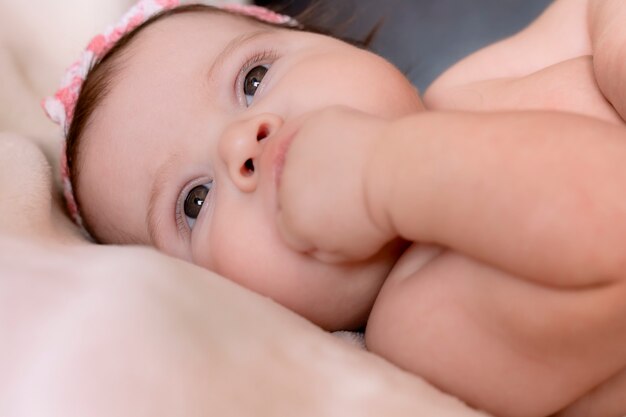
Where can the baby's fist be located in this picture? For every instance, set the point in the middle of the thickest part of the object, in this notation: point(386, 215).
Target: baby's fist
point(322, 196)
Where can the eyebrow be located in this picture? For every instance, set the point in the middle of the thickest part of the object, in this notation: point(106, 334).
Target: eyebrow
point(231, 47)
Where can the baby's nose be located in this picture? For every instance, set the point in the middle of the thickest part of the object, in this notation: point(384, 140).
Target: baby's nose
point(241, 145)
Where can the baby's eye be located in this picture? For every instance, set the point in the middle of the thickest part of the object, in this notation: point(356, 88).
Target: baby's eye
point(252, 81)
point(194, 202)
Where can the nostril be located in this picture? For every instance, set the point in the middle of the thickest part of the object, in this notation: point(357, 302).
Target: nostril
point(262, 133)
point(248, 168)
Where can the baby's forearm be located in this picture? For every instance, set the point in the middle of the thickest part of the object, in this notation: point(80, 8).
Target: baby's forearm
point(608, 37)
point(537, 194)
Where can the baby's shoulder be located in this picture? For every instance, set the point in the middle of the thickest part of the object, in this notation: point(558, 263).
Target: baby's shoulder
point(547, 66)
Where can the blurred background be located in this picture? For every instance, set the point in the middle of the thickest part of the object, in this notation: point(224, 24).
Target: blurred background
point(422, 37)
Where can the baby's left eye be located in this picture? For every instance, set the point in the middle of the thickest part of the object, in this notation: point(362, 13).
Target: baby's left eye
point(194, 201)
point(252, 82)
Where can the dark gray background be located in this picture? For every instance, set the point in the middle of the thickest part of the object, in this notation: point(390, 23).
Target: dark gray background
point(422, 37)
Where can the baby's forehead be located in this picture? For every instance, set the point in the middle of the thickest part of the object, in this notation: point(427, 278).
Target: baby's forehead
point(193, 26)
point(177, 49)
point(162, 75)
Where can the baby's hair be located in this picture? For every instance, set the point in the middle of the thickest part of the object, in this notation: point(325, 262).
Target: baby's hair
point(100, 76)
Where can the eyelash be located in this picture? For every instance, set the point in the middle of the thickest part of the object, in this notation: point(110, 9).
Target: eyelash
point(181, 220)
point(264, 57)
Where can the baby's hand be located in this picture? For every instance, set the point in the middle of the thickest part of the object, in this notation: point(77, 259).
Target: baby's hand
point(323, 203)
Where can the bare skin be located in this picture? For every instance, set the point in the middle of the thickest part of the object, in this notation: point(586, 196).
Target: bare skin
point(591, 86)
point(520, 256)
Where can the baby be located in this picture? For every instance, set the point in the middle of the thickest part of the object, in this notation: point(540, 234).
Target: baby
point(484, 251)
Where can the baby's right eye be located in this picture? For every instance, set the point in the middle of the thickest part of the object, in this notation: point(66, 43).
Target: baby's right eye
point(194, 201)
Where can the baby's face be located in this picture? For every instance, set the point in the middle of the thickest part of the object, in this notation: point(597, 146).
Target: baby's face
point(182, 154)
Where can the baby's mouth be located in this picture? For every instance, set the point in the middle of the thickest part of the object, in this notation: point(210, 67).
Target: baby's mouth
point(281, 155)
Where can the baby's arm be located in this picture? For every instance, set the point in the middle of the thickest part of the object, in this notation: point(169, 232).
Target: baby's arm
point(537, 194)
point(531, 206)
point(608, 36)
point(501, 343)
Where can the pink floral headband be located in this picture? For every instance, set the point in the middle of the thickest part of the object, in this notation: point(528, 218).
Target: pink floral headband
point(60, 107)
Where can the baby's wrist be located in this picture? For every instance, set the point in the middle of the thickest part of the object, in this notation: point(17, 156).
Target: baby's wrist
point(379, 181)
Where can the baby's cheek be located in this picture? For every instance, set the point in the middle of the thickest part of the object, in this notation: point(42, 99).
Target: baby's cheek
point(241, 246)
point(213, 250)
point(232, 250)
